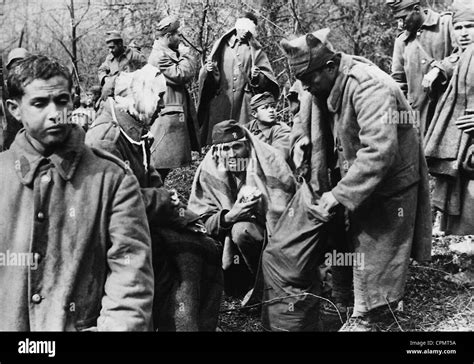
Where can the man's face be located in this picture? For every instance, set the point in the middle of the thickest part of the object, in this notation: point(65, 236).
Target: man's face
point(174, 39)
point(266, 113)
point(319, 82)
point(115, 48)
point(464, 31)
point(243, 34)
point(410, 20)
point(236, 155)
point(89, 99)
point(41, 109)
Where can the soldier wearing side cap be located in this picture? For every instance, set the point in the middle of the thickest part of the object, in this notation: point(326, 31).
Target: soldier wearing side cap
point(175, 129)
point(423, 59)
point(231, 195)
point(383, 185)
point(265, 125)
point(121, 58)
point(10, 125)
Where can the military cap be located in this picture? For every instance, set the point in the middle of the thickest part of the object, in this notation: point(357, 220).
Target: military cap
point(227, 131)
point(399, 5)
point(16, 53)
point(113, 35)
point(167, 25)
point(309, 52)
point(463, 11)
point(261, 99)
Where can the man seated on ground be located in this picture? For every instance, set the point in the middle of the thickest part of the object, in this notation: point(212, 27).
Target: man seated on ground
point(265, 125)
point(188, 276)
point(232, 193)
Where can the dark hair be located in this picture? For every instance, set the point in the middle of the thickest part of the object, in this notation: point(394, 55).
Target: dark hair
point(252, 17)
point(32, 68)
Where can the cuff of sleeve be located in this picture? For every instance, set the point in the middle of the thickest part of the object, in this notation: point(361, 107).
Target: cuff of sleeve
point(346, 202)
point(222, 224)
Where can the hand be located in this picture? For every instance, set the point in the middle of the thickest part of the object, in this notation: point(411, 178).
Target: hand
point(466, 122)
point(174, 198)
point(322, 214)
point(255, 72)
point(240, 211)
point(211, 66)
point(328, 201)
point(183, 50)
point(298, 151)
point(429, 78)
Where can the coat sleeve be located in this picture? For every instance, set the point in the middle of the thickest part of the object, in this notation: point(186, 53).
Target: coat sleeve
point(281, 140)
point(372, 101)
point(398, 65)
point(128, 292)
point(447, 64)
point(214, 225)
point(177, 72)
point(156, 198)
point(104, 71)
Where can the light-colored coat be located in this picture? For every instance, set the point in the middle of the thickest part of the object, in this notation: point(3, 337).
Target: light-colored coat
point(80, 216)
point(175, 130)
point(384, 181)
point(227, 95)
point(413, 58)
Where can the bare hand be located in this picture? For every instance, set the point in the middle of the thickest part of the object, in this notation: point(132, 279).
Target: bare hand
point(430, 78)
point(241, 211)
point(466, 122)
point(255, 72)
point(298, 151)
point(174, 198)
point(328, 202)
point(211, 66)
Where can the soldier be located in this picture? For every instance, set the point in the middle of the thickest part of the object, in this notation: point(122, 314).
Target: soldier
point(449, 141)
point(232, 195)
point(75, 212)
point(265, 126)
point(120, 59)
point(188, 277)
point(422, 56)
point(175, 129)
point(11, 126)
point(237, 69)
point(384, 184)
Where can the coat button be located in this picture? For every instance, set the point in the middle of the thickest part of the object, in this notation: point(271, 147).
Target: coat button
point(36, 298)
point(40, 216)
point(423, 61)
point(37, 257)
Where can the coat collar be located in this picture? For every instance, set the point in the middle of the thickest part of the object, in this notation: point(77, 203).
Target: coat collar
point(125, 55)
point(254, 43)
point(256, 128)
point(432, 19)
point(135, 129)
point(65, 158)
point(335, 97)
